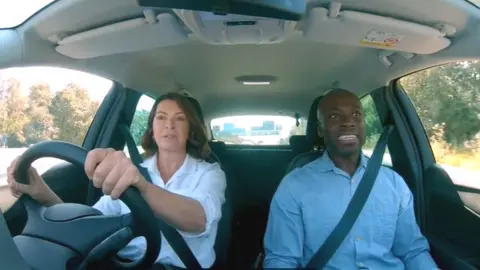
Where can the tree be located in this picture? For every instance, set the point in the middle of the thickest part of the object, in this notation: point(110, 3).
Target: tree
point(72, 111)
point(139, 125)
point(447, 96)
point(373, 126)
point(12, 112)
point(40, 126)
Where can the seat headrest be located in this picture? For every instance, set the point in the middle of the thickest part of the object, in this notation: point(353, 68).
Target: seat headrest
point(312, 122)
point(299, 144)
point(296, 140)
point(198, 109)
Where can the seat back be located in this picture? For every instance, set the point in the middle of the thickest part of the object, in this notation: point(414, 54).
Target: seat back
point(298, 144)
point(313, 144)
point(313, 140)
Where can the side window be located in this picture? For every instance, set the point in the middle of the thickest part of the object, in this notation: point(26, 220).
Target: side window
point(140, 120)
point(373, 129)
point(45, 103)
point(447, 100)
point(256, 129)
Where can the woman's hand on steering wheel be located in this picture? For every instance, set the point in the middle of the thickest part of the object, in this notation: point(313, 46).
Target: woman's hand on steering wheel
point(112, 171)
point(37, 188)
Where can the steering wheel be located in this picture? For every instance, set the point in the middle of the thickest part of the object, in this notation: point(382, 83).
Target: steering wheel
point(71, 236)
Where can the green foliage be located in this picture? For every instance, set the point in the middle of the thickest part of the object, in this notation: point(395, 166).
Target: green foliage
point(447, 100)
point(40, 126)
point(72, 112)
point(40, 116)
point(373, 126)
point(12, 111)
point(139, 125)
point(447, 95)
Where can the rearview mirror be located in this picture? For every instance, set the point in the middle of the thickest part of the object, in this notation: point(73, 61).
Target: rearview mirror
point(291, 10)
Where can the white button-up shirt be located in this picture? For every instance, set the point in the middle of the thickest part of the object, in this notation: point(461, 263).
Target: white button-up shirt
point(196, 179)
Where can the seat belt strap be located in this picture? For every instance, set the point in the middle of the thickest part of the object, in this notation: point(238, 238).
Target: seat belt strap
point(335, 239)
point(173, 237)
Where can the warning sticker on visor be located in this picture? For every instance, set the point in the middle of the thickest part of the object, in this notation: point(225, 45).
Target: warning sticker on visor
point(382, 39)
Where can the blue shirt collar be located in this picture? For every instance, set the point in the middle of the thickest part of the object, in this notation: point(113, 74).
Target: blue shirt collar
point(325, 163)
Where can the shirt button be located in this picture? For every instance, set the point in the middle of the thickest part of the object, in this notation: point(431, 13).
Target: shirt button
point(359, 238)
point(359, 264)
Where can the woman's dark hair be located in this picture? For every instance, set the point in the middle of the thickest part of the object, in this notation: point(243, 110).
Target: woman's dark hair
point(197, 144)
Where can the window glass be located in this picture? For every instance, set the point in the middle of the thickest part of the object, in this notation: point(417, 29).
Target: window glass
point(373, 129)
point(140, 121)
point(257, 129)
point(475, 2)
point(447, 100)
point(44, 103)
point(13, 13)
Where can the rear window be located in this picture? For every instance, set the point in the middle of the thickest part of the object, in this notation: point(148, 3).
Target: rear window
point(257, 129)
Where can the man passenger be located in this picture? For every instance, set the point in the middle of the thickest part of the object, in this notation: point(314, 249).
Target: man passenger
point(310, 201)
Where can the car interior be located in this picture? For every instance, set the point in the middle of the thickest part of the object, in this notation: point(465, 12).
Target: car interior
point(148, 48)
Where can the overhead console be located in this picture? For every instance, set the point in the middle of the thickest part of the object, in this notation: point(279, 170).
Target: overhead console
point(232, 29)
point(149, 32)
point(345, 27)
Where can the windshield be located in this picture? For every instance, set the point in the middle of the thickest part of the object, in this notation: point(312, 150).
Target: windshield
point(14, 13)
point(475, 2)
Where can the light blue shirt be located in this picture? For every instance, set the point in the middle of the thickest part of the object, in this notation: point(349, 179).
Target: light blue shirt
point(309, 203)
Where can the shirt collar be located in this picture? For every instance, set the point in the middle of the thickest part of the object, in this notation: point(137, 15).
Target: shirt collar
point(325, 163)
point(190, 165)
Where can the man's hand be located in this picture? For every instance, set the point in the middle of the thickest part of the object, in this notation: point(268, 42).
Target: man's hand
point(112, 171)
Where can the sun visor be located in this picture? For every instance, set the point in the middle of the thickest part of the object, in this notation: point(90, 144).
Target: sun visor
point(367, 30)
point(123, 37)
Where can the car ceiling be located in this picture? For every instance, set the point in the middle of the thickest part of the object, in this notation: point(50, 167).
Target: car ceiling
point(305, 69)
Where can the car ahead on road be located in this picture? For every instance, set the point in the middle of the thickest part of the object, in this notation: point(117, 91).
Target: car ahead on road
point(412, 63)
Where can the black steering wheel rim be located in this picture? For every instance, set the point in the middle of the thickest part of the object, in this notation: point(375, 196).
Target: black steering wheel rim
point(143, 221)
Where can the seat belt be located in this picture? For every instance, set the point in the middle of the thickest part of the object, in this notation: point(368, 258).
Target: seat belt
point(335, 239)
point(173, 237)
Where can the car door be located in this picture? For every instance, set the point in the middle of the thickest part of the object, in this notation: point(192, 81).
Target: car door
point(45, 103)
point(442, 108)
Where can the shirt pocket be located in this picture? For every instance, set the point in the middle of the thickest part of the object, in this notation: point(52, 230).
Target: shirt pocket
point(319, 216)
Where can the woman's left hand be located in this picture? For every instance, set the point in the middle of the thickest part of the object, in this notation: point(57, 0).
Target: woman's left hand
point(112, 171)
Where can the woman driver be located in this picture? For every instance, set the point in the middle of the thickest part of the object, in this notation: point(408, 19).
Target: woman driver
point(187, 192)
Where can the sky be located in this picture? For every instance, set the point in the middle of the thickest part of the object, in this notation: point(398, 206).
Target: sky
point(15, 12)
